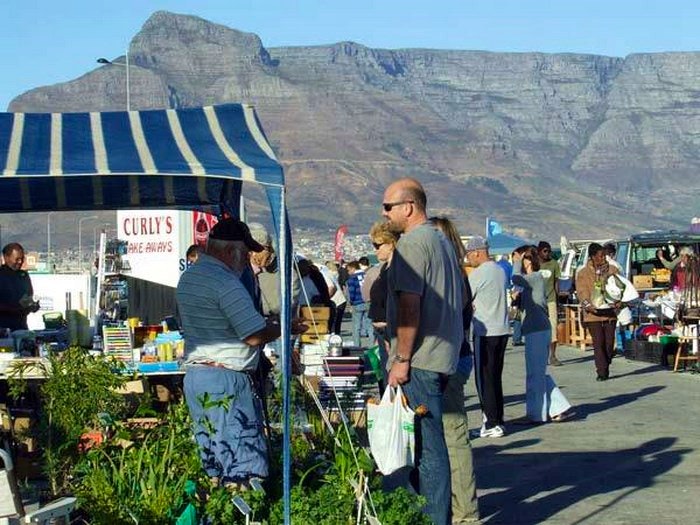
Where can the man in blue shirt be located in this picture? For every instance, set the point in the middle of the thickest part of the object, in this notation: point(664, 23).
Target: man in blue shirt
point(223, 336)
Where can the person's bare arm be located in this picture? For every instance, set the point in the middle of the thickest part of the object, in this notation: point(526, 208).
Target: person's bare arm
point(271, 332)
point(406, 332)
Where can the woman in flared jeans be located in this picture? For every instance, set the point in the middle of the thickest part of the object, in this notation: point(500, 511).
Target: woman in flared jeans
point(543, 399)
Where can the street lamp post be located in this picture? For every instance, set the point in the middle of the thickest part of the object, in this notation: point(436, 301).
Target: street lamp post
point(80, 240)
point(128, 89)
point(48, 240)
point(94, 234)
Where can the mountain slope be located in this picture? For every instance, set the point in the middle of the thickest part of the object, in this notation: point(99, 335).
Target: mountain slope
point(550, 144)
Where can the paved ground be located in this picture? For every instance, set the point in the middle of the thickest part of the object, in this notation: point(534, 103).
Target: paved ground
point(629, 457)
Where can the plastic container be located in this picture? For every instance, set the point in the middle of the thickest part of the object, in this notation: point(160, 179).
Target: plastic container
point(53, 320)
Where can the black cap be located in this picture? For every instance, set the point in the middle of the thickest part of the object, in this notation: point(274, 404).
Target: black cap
point(231, 229)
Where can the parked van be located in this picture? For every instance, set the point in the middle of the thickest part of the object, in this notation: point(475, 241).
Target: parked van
point(637, 255)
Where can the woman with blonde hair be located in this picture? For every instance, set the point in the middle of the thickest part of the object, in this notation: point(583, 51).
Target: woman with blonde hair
point(375, 288)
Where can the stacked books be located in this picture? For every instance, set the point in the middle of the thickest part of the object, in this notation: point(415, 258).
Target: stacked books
point(312, 358)
point(342, 374)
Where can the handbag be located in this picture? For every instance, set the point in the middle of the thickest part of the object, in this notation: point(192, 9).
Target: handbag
point(391, 431)
point(515, 313)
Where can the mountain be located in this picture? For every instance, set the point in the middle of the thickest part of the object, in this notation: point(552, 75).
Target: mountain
point(548, 144)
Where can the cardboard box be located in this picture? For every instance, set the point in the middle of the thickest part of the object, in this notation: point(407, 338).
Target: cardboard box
point(23, 425)
point(318, 313)
point(137, 386)
point(641, 282)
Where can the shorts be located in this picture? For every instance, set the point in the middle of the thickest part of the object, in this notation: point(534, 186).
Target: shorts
point(228, 423)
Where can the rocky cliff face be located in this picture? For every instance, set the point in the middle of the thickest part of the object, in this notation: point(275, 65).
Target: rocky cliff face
point(549, 144)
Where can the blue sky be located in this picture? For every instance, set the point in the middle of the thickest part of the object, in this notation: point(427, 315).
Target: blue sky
point(48, 41)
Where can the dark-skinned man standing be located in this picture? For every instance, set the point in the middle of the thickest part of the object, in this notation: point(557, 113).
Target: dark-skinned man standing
point(16, 292)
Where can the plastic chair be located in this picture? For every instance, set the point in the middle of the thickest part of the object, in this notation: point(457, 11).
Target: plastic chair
point(11, 506)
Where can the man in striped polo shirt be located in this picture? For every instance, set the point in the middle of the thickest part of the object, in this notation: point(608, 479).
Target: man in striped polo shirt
point(223, 337)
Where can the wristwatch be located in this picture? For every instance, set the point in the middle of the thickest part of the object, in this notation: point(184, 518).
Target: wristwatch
point(400, 359)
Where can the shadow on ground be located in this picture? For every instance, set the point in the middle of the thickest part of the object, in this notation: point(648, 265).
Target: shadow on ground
point(536, 486)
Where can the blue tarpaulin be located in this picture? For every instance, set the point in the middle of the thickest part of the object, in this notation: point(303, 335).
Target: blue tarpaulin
point(193, 158)
point(503, 243)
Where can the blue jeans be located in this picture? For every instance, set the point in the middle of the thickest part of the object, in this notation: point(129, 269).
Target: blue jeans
point(543, 398)
point(432, 461)
point(361, 323)
point(517, 332)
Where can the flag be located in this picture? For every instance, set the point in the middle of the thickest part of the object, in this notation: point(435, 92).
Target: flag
point(492, 228)
point(339, 237)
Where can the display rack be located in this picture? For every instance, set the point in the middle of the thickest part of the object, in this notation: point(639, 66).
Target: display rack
point(117, 342)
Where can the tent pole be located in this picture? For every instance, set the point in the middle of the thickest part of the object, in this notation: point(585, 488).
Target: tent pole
point(285, 321)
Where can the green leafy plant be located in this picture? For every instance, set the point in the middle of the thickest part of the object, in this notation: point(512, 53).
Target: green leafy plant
point(77, 388)
point(144, 482)
point(399, 507)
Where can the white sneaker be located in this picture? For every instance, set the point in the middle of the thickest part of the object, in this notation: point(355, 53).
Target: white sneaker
point(495, 432)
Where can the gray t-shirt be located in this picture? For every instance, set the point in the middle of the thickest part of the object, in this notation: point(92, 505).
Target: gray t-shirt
point(533, 300)
point(425, 263)
point(488, 283)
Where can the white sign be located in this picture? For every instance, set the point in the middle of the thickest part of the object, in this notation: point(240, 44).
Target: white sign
point(52, 290)
point(157, 242)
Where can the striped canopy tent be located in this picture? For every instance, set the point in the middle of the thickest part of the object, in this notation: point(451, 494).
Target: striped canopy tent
point(193, 158)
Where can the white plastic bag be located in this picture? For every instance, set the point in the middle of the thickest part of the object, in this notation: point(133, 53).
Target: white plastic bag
point(391, 432)
point(617, 288)
point(624, 316)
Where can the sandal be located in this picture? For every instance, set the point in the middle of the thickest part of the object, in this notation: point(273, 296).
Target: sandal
point(555, 362)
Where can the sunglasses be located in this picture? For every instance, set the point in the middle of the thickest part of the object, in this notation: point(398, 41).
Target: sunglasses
point(377, 245)
point(388, 206)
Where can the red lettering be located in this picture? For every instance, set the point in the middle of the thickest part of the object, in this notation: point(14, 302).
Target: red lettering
point(134, 226)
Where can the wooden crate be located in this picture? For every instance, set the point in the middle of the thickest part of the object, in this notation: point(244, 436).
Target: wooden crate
point(318, 327)
point(310, 337)
point(575, 330)
point(318, 313)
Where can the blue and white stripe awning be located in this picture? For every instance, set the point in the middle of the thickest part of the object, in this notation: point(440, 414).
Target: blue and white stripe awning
point(185, 158)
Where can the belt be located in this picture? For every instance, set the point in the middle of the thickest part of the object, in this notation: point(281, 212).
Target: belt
point(219, 365)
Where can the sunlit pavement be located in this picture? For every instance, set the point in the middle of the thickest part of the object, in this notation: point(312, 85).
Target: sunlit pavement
point(630, 456)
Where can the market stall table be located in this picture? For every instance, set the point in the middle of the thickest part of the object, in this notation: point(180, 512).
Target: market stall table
point(684, 353)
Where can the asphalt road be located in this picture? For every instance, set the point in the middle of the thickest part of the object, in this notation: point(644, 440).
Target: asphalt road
point(630, 456)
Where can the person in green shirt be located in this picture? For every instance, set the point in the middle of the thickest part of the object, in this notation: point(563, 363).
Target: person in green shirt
point(549, 268)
